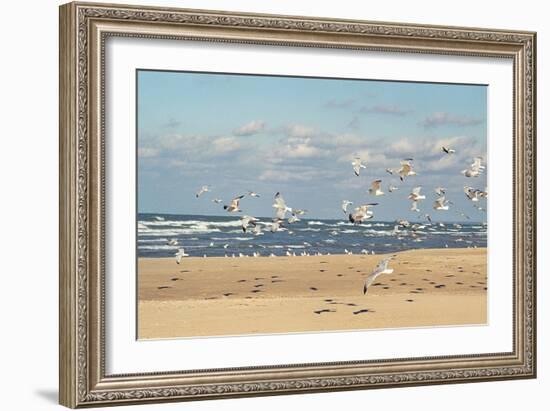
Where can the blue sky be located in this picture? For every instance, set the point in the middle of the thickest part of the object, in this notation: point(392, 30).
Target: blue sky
point(298, 136)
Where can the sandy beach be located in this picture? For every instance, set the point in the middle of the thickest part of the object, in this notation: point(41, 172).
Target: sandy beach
point(231, 296)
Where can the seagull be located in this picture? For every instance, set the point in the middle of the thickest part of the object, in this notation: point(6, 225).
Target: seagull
point(298, 212)
point(293, 219)
point(448, 150)
point(225, 245)
point(180, 254)
point(204, 189)
point(406, 169)
point(276, 225)
point(415, 194)
point(475, 168)
point(441, 204)
point(414, 206)
point(392, 188)
point(429, 217)
point(357, 165)
point(257, 230)
point(173, 241)
point(361, 213)
point(440, 191)
point(234, 206)
point(403, 223)
point(381, 268)
point(375, 188)
point(253, 194)
point(345, 204)
point(217, 200)
point(473, 193)
point(390, 171)
point(363, 251)
point(246, 220)
point(281, 207)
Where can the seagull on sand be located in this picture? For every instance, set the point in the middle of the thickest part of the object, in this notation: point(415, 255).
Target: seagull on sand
point(357, 165)
point(180, 254)
point(406, 169)
point(441, 204)
point(448, 150)
point(246, 220)
point(362, 213)
point(375, 188)
point(234, 206)
point(381, 268)
point(253, 194)
point(204, 189)
point(345, 204)
point(475, 169)
point(281, 207)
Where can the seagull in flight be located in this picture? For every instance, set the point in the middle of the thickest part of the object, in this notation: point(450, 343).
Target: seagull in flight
point(474, 194)
point(253, 194)
point(414, 206)
point(415, 194)
point(441, 204)
point(180, 254)
point(217, 200)
point(406, 169)
point(281, 207)
point(362, 213)
point(234, 206)
point(475, 169)
point(246, 220)
point(173, 241)
point(357, 165)
point(381, 268)
point(392, 188)
point(375, 188)
point(448, 150)
point(345, 204)
point(204, 189)
point(276, 225)
point(390, 171)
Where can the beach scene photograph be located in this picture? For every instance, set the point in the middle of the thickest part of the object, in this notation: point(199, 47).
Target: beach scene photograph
point(279, 204)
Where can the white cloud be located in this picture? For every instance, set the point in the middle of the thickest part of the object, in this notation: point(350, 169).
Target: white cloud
point(249, 129)
point(300, 131)
point(148, 152)
point(392, 110)
point(442, 118)
point(223, 145)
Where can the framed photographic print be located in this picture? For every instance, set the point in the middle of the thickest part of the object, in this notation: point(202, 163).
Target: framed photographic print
point(259, 204)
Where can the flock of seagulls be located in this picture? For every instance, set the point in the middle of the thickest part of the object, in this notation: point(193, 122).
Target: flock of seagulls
point(284, 214)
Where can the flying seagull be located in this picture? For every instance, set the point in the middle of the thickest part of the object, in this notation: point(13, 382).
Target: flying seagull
point(246, 220)
point(440, 191)
point(381, 268)
point(180, 254)
point(217, 200)
point(253, 194)
point(392, 188)
point(204, 189)
point(361, 213)
point(415, 194)
point(375, 188)
point(474, 194)
point(281, 207)
point(357, 165)
point(414, 206)
point(475, 169)
point(406, 169)
point(448, 150)
point(390, 171)
point(441, 204)
point(234, 206)
point(173, 241)
point(345, 204)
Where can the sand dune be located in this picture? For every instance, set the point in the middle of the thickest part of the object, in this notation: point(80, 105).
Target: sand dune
point(232, 296)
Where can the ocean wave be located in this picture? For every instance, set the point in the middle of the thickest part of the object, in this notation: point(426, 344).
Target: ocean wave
point(316, 230)
point(316, 223)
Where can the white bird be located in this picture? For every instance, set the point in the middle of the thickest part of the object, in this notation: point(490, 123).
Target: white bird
point(403, 223)
point(395, 230)
point(363, 251)
point(296, 211)
point(281, 207)
point(253, 194)
point(246, 220)
point(234, 206)
point(441, 204)
point(406, 169)
point(204, 189)
point(375, 188)
point(217, 200)
point(293, 219)
point(440, 191)
point(474, 194)
point(357, 165)
point(361, 213)
point(158, 218)
point(257, 230)
point(390, 171)
point(345, 204)
point(415, 194)
point(173, 241)
point(381, 268)
point(414, 206)
point(428, 217)
point(392, 188)
point(225, 245)
point(475, 169)
point(276, 225)
point(180, 254)
point(448, 150)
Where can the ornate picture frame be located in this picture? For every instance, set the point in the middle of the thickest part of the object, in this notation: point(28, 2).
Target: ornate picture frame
point(84, 28)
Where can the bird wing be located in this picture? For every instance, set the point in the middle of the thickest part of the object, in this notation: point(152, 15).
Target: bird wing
point(376, 185)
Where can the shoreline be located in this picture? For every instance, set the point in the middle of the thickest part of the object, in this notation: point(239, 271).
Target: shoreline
point(218, 296)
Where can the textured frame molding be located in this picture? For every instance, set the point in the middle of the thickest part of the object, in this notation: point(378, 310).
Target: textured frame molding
point(83, 30)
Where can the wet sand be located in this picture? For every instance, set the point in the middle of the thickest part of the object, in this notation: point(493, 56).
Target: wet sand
point(231, 296)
